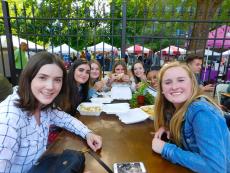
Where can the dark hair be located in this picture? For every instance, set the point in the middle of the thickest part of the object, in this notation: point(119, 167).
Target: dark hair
point(154, 68)
point(137, 79)
point(190, 58)
point(75, 97)
point(27, 101)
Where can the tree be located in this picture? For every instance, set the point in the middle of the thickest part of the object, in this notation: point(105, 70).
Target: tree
point(205, 11)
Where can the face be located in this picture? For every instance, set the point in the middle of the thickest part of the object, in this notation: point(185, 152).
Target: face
point(196, 65)
point(138, 70)
point(119, 69)
point(94, 71)
point(81, 74)
point(176, 85)
point(47, 83)
point(152, 77)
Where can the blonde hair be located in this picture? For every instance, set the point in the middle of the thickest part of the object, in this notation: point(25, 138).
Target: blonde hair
point(93, 61)
point(164, 107)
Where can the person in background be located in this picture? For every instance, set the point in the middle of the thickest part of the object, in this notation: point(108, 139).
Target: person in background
point(5, 87)
point(138, 73)
point(78, 84)
point(96, 83)
point(34, 105)
point(195, 63)
point(196, 133)
point(119, 75)
point(88, 55)
point(152, 79)
point(21, 58)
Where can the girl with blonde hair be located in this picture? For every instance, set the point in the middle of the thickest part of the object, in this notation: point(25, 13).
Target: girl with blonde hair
point(194, 124)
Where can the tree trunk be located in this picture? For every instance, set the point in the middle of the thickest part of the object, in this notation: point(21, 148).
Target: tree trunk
point(205, 11)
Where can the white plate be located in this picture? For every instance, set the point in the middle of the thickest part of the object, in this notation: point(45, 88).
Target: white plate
point(133, 116)
point(90, 105)
point(101, 100)
point(116, 108)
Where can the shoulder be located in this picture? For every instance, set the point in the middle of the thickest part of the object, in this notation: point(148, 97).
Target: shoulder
point(202, 106)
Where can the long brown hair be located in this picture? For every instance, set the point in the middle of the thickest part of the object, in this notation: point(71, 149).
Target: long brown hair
point(93, 61)
point(163, 107)
point(27, 101)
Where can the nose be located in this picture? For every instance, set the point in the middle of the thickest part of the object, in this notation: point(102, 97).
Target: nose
point(174, 85)
point(49, 84)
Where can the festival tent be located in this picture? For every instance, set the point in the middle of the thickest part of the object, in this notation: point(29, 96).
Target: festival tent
point(137, 49)
point(209, 52)
point(219, 38)
point(102, 46)
point(17, 41)
point(64, 49)
point(227, 52)
point(172, 50)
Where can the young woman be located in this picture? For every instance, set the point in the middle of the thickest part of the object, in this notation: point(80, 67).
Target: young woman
point(78, 84)
point(193, 122)
point(95, 82)
point(119, 75)
point(138, 73)
point(28, 112)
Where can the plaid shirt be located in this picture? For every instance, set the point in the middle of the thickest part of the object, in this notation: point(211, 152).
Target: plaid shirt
point(22, 140)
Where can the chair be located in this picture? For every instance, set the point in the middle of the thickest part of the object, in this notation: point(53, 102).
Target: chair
point(220, 88)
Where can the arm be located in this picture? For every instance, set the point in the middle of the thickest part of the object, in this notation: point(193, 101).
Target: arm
point(210, 141)
point(8, 146)
point(72, 124)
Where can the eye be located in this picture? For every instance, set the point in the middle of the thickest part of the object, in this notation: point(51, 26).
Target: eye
point(41, 77)
point(59, 80)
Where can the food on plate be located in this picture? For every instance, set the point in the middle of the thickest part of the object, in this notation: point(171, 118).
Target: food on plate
point(148, 109)
point(90, 108)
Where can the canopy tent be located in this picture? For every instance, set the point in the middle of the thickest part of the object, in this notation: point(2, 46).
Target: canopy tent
point(226, 53)
point(102, 46)
point(219, 38)
point(209, 52)
point(137, 49)
point(172, 50)
point(17, 41)
point(64, 49)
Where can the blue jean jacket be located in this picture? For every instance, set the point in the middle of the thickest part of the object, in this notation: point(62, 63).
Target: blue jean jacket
point(205, 138)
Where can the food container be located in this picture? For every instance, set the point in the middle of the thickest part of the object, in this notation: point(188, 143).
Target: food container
point(101, 100)
point(90, 109)
point(149, 109)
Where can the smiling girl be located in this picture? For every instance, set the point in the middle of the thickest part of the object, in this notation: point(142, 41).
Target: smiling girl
point(193, 122)
point(78, 83)
point(27, 114)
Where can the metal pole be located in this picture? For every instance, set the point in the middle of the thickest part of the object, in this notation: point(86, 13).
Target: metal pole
point(8, 32)
point(123, 34)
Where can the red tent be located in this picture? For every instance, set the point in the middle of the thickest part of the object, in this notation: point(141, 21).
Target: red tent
point(137, 49)
point(172, 50)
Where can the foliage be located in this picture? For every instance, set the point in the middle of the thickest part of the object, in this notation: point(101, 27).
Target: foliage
point(141, 91)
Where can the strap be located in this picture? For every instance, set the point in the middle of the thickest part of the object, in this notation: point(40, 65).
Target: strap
point(95, 156)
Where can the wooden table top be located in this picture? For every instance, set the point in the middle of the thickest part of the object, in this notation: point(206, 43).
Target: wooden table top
point(226, 94)
point(121, 143)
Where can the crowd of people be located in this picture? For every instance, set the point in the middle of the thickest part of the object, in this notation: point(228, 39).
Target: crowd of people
point(197, 136)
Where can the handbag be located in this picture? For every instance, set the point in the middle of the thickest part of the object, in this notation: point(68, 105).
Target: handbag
point(69, 161)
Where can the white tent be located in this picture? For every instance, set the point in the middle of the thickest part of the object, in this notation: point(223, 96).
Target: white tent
point(209, 52)
point(17, 41)
point(102, 46)
point(227, 52)
point(64, 49)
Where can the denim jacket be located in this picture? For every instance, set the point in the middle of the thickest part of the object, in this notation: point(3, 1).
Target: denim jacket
point(205, 139)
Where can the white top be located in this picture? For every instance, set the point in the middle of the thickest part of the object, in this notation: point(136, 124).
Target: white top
point(22, 140)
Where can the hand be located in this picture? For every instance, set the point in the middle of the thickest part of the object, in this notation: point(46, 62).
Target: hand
point(125, 78)
point(94, 141)
point(160, 132)
point(157, 145)
point(208, 87)
point(99, 85)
